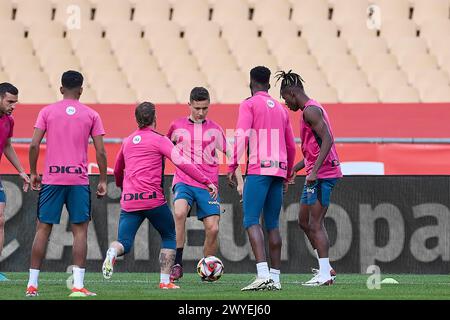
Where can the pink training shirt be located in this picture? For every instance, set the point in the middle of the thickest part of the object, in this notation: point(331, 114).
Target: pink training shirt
point(6, 131)
point(264, 126)
point(311, 147)
point(68, 124)
point(139, 169)
point(199, 142)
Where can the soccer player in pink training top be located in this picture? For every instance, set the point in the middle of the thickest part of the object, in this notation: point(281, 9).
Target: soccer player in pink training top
point(322, 171)
point(263, 125)
point(68, 125)
point(139, 171)
point(8, 99)
point(200, 138)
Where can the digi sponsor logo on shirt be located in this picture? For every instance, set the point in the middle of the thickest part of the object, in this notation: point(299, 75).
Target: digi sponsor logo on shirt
point(65, 169)
point(270, 103)
point(71, 111)
point(139, 196)
point(137, 139)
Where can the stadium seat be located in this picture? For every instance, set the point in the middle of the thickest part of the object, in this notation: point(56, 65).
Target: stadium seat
point(297, 62)
point(179, 66)
point(52, 49)
point(54, 66)
point(40, 32)
point(435, 29)
point(401, 94)
point(312, 30)
point(20, 63)
point(309, 11)
point(237, 32)
point(414, 63)
point(322, 46)
point(4, 77)
point(92, 29)
point(223, 10)
point(289, 47)
point(122, 31)
point(349, 78)
point(212, 51)
point(323, 94)
point(377, 62)
point(393, 10)
point(133, 52)
point(226, 77)
point(265, 11)
point(345, 11)
point(271, 31)
point(437, 93)
point(88, 96)
point(358, 94)
point(432, 9)
point(28, 12)
point(250, 46)
point(355, 31)
point(383, 80)
point(163, 52)
point(186, 11)
point(36, 94)
point(6, 10)
point(156, 33)
point(444, 62)
point(16, 30)
point(112, 11)
point(367, 47)
point(183, 83)
point(251, 60)
point(427, 79)
point(196, 34)
point(217, 64)
point(154, 10)
point(440, 46)
point(330, 61)
point(10, 52)
point(408, 45)
point(67, 11)
point(120, 94)
point(392, 30)
point(91, 46)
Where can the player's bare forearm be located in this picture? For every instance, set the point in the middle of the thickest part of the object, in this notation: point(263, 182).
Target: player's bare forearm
point(33, 157)
point(324, 150)
point(100, 154)
point(299, 166)
point(238, 174)
point(11, 155)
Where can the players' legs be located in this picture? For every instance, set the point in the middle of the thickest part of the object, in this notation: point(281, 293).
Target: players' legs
point(211, 224)
point(79, 252)
point(2, 226)
point(162, 220)
point(181, 209)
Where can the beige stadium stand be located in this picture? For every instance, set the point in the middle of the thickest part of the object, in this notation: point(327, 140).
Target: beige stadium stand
point(434, 30)
point(217, 64)
point(298, 62)
point(278, 32)
point(265, 11)
point(15, 29)
point(309, 11)
point(322, 46)
point(251, 60)
point(179, 66)
point(321, 93)
point(120, 94)
point(427, 79)
point(183, 83)
point(345, 11)
point(251, 45)
point(4, 77)
point(52, 50)
point(90, 29)
point(119, 32)
point(444, 63)
point(390, 10)
point(163, 52)
point(197, 33)
point(88, 96)
point(367, 47)
point(224, 10)
point(133, 53)
point(348, 78)
point(72, 12)
point(112, 11)
point(154, 10)
point(392, 30)
point(232, 95)
point(355, 31)
point(223, 79)
point(156, 33)
point(210, 49)
point(371, 63)
point(313, 30)
point(21, 64)
point(414, 64)
point(36, 94)
point(28, 12)
point(9, 53)
point(407, 46)
point(237, 32)
point(331, 61)
point(401, 94)
point(430, 9)
point(357, 94)
point(6, 10)
point(384, 80)
point(40, 32)
point(186, 11)
point(438, 93)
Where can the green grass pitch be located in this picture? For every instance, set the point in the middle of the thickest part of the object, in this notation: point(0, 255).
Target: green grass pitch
point(143, 286)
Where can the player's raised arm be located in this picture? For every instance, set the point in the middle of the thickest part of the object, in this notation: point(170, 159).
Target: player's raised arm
point(173, 154)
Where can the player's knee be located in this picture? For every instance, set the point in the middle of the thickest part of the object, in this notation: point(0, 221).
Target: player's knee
point(126, 244)
point(180, 215)
point(212, 231)
point(275, 243)
point(2, 221)
point(304, 225)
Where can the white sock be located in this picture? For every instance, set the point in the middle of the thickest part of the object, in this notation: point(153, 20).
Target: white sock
point(325, 266)
point(263, 270)
point(275, 275)
point(164, 278)
point(78, 277)
point(33, 279)
point(112, 253)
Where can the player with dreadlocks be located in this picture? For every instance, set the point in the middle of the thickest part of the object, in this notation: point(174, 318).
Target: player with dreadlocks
point(322, 170)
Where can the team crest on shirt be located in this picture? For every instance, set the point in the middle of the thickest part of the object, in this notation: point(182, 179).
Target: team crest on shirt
point(71, 110)
point(137, 139)
point(270, 103)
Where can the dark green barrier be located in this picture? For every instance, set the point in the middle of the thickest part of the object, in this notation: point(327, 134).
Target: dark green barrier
point(400, 223)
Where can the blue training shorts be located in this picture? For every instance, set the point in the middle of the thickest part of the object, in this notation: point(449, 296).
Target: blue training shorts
point(160, 217)
point(2, 194)
point(52, 198)
point(262, 193)
point(319, 190)
point(206, 205)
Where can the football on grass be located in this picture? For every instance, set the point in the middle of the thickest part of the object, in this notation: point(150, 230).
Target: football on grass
point(210, 268)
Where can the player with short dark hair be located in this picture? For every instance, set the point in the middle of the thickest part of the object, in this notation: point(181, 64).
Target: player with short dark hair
point(322, 168)
point(139, 171)
point(200, 138)
point(264, 127)
point(8, 99)
point(68, 124)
